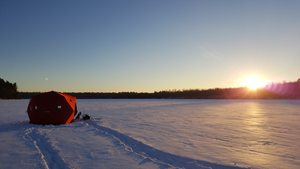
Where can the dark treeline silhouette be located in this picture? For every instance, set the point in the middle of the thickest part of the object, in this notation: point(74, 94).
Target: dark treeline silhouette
point(285, 90)
point(8, 90)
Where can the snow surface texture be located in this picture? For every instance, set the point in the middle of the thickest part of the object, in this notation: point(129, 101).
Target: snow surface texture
point(156, 134)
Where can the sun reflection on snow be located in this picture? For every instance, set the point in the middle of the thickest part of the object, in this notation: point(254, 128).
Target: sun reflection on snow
point(250, 150)
point(258, 136)
point(254, 117)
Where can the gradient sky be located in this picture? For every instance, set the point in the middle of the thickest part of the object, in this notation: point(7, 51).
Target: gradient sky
point(146, 46)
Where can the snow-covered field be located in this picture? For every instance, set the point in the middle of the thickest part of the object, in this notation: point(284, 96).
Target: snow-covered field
point(156, 134)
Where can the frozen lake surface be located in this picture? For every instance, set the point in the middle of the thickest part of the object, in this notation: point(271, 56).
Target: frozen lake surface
point(156, 134)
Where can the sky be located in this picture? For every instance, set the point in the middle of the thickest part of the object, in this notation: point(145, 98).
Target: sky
point(147, 46)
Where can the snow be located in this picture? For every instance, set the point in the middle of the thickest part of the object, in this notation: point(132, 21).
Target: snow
point(156, 134)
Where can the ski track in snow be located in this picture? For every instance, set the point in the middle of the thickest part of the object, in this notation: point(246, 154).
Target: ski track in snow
point(148, 153)
point(48, 153)
point(51, 158)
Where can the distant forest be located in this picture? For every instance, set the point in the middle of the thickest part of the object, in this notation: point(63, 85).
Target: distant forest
point(284, 90)
point(8, 90)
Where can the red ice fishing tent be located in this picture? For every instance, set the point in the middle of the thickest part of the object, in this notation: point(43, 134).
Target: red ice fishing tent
point(52, 108)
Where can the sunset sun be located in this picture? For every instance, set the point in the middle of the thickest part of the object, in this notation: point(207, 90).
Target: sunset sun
point(253, 82)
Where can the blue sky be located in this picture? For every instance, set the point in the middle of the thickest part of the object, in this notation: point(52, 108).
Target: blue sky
point(146, 46)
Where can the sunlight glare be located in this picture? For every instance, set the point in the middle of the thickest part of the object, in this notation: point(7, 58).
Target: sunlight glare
point(254, 82)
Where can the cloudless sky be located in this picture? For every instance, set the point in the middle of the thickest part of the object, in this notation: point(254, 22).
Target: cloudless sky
point(146, 46)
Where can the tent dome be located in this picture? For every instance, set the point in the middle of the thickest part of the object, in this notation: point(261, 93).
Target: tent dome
point(52, 108)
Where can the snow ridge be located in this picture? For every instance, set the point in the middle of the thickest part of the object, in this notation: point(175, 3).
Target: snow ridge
point(164, 159)
point(49, 154)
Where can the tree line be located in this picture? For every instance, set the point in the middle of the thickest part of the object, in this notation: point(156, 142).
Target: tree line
point(284, 90)
point(8, 90)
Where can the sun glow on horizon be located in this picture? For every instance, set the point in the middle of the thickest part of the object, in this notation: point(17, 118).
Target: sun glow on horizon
point(254, 82)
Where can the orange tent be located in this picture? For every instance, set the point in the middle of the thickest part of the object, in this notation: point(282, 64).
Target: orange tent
point(52, 108)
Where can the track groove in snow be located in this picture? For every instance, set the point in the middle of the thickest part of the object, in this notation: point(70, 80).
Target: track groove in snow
point(164, 159)
point(49, 154)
